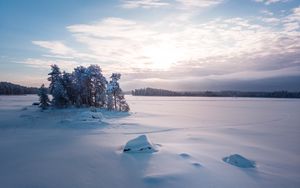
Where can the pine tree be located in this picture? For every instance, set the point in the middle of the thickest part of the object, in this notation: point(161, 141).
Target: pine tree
point(57, 90)
point(44, 100)
point(115, 94)
point(110, 101)
point(123, 105)
point(113, 87)
point(68, 84)
point(98, 85)
point(82, 86)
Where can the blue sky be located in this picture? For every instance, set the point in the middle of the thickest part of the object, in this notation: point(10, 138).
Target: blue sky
point(178, 44)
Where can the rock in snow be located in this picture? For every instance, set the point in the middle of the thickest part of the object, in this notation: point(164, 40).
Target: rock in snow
point(141, 144)
point(35, 103)
point(239, 161)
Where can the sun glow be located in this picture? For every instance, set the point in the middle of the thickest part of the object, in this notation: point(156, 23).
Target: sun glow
point(162, 57)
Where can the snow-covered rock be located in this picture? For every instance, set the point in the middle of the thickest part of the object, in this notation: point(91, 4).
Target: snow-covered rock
point(239, 161)
point(185, 155)
point(35, 103)
point(141, 144)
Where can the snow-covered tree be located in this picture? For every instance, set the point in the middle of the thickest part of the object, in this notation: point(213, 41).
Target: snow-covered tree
point(90, 85)
point(110, 101)
point(82, 86)
point(86, 87)
point(68, 84)
point(44, 100)
point(113, 88)
point(123, 105)
point(98, 85)
point(115, 94)
point(56, 88)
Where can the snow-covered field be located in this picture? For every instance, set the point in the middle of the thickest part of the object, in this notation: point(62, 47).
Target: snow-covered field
point(193, 137)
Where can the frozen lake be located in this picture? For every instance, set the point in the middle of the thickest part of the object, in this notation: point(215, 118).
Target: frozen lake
point(68, 148)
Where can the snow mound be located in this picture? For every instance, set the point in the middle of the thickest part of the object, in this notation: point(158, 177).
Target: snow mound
point(239, 161)
point(141, 144)
point(90, 116)
point(93, 109)
point(63, 121)
point(185, 155)
point(97, 116)
point(156, 179)
point(24, 109)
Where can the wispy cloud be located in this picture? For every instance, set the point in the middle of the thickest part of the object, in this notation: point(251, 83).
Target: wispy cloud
point(55, 47)
point(294, 16)
point(130, 4)
point(45, 63)
point(268, 2)
point(267, 12)
point(199, 3)
point(178, 4)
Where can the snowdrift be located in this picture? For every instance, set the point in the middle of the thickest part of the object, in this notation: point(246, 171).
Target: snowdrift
point(141, 144)
point(91, 116)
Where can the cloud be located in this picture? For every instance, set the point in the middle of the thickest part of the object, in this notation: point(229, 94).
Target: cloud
point(55, 47)
point(120, 40)
point(177, 4)
point(115, 40)
point(199, 3)
point(271, 20)
point(59, 51)
point(176, 48)
point(291, 22)
point(46, 63)
point(133, 45)
point(268, 2)
point(130, 4)
point(294, 16)
point(291, 26)
point(267, 12)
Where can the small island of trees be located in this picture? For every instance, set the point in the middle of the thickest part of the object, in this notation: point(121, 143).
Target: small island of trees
point(84, 87)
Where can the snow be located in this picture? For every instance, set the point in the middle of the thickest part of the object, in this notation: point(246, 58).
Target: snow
point(239, 161)
point(70, 148)
point(141, 144)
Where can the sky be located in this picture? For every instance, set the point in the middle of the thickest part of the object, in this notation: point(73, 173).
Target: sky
point(249, 45)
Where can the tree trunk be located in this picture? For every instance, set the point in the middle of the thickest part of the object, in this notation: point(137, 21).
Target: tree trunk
point(115, 100)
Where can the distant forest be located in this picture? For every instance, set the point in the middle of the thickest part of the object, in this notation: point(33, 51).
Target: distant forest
point(7, 88)
point(163, 92)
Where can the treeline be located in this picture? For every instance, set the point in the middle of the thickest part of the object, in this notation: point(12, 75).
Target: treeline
point(154, 92)
point(163, 92)
point(7, 88)
point(84, 87)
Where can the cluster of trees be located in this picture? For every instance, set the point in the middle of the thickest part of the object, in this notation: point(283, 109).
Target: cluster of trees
point(162, 92)
point(154, 92)
point(85, 86)
point(7, 88)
